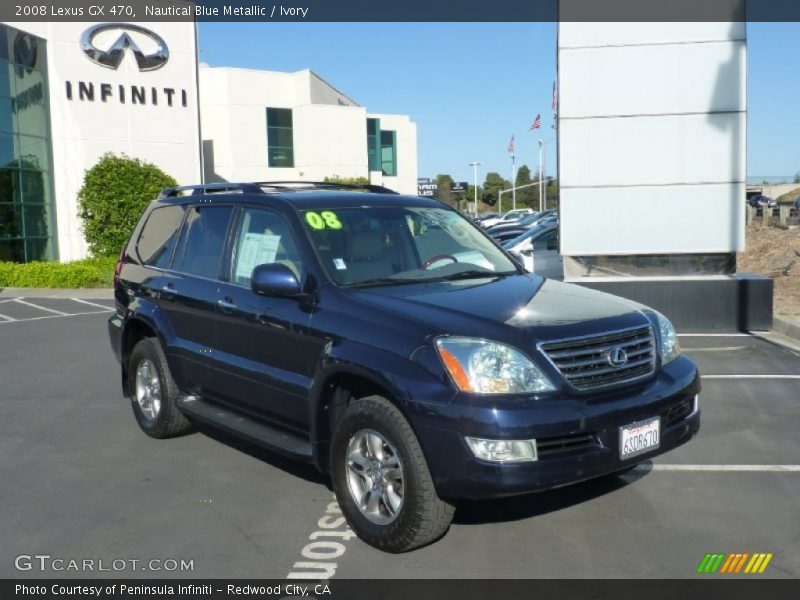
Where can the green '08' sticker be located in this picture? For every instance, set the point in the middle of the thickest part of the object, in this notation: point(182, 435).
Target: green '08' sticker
point(322, 220)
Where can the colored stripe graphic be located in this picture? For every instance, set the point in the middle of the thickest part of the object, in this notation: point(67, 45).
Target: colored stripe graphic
point(725, 563)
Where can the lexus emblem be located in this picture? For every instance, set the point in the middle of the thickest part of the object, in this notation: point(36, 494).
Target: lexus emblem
point(617, 357)
point(112, 55)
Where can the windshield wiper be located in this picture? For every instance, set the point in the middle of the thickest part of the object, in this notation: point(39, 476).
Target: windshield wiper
point(383, 281)
point(472, 274)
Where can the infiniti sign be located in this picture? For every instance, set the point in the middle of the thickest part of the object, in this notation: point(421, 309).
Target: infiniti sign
point(112, 56)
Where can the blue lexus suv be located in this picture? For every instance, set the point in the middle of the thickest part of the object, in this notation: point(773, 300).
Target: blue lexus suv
point(387, 340)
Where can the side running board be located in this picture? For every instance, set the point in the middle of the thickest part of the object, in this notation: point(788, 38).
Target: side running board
point(246, 427)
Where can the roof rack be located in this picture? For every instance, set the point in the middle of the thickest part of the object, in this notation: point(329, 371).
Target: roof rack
point(331, 185)
point(257, 187)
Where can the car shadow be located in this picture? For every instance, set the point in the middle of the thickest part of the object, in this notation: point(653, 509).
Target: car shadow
point(517, 508)
point(305, 471)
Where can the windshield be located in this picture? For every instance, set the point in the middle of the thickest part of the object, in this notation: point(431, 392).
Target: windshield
point(384, 245)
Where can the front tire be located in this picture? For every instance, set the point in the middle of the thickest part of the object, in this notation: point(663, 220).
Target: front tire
point(153, 392)
point(382, 481)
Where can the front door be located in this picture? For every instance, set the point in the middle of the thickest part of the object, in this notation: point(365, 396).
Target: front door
point(265, 351)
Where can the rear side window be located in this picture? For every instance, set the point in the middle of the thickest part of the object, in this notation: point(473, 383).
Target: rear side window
point(158, 236)
point(203, 241)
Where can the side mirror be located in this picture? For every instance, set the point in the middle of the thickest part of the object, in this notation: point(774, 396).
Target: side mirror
point(517, 257)
point(527, 251)
point(275, 279)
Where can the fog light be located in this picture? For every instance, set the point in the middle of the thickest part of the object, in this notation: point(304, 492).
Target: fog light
point(503, 450)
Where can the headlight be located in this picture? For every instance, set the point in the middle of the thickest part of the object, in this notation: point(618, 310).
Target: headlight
point(670, 348)
point(485, 367)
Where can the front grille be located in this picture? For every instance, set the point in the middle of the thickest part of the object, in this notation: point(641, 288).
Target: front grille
point(679, 412)
point(580, 441)
point(585, 365)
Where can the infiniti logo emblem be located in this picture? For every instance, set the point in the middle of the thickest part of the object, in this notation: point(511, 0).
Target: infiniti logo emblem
point(112, 56)
point(617, 357)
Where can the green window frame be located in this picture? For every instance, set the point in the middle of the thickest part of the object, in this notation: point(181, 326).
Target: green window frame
point(389, 152)
point(280, 137)
point(374, 144)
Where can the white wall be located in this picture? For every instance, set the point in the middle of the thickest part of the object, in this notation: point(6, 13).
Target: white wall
point(652, 126)
point(330, 129)
point(82, 131)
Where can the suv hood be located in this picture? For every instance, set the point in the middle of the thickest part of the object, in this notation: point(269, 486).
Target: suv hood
point(498, 308)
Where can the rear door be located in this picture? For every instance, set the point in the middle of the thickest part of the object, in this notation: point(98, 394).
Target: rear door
point(189, 294)
point(266, 354)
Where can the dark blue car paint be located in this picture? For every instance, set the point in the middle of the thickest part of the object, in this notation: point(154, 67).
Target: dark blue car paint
point(385, 335)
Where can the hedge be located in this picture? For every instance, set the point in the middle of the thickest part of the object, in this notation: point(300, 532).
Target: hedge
point(115, 192)
point(90, 272)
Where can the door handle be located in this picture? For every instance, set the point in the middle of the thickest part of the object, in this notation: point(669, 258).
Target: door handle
point(168, 291)
point(227, 304)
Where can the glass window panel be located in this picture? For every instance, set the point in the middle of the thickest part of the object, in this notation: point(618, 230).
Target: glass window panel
point(5, 77)
point(9, 185)
point(39, 249)
point(4, 31)
point(158, 236)
point(280, 137)
point(281, 157)
point(10, 221)
point(8, 152)
point(388, 153)
point(32, 120)
point(37, 220)
point(206, 229)
point(279, 117)
point(34, 153)
point(6, 116)
point(12, 250)
point(35, 187)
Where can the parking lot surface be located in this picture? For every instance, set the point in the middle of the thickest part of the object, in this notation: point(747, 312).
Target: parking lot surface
point(81, 481)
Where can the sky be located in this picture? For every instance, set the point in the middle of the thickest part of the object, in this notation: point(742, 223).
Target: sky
point(471, 86)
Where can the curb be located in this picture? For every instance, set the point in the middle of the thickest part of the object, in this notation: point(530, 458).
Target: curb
point(787, 326)
point(84, 293)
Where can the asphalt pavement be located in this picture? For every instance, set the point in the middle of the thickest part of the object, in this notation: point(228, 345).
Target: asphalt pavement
point(81, 482)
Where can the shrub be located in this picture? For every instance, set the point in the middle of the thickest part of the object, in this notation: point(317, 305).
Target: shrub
point(115, 192)
point(347, 180)
point(90, 272)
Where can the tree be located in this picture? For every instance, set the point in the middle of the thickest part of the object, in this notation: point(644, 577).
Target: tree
point(494, 183)
point(527, 196)
point(796, 177)
point(445, 183)
point(115, 192)
point(346, 180)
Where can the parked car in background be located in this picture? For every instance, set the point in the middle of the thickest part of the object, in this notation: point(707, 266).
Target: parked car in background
point(538, 249)
point(485, 216)
point(509, 217)
point(761, 202)
point(503, 233)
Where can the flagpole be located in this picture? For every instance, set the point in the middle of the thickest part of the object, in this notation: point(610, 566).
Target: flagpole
point(541, 175)
point(513, 185)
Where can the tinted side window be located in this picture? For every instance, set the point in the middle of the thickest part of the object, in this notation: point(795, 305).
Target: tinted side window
point(158, 236)
point(547, 241)
point(203, 241)
point(264, 237)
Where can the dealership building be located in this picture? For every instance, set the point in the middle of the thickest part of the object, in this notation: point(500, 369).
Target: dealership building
point(71, 92)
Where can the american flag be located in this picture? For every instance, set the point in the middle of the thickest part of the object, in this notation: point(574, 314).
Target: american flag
point(554, 103)
point(537, 123)
point(511, 144)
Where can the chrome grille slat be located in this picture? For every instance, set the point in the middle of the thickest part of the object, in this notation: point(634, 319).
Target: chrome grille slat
point(584, 365)
point(598, 348)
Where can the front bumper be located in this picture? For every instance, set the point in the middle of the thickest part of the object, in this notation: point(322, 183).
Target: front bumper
point(577, 437)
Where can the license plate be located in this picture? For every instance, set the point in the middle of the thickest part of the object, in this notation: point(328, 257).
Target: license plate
point(640, 437)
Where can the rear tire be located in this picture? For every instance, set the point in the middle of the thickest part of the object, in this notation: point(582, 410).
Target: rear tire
point(375, 454)
point(153, 392)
